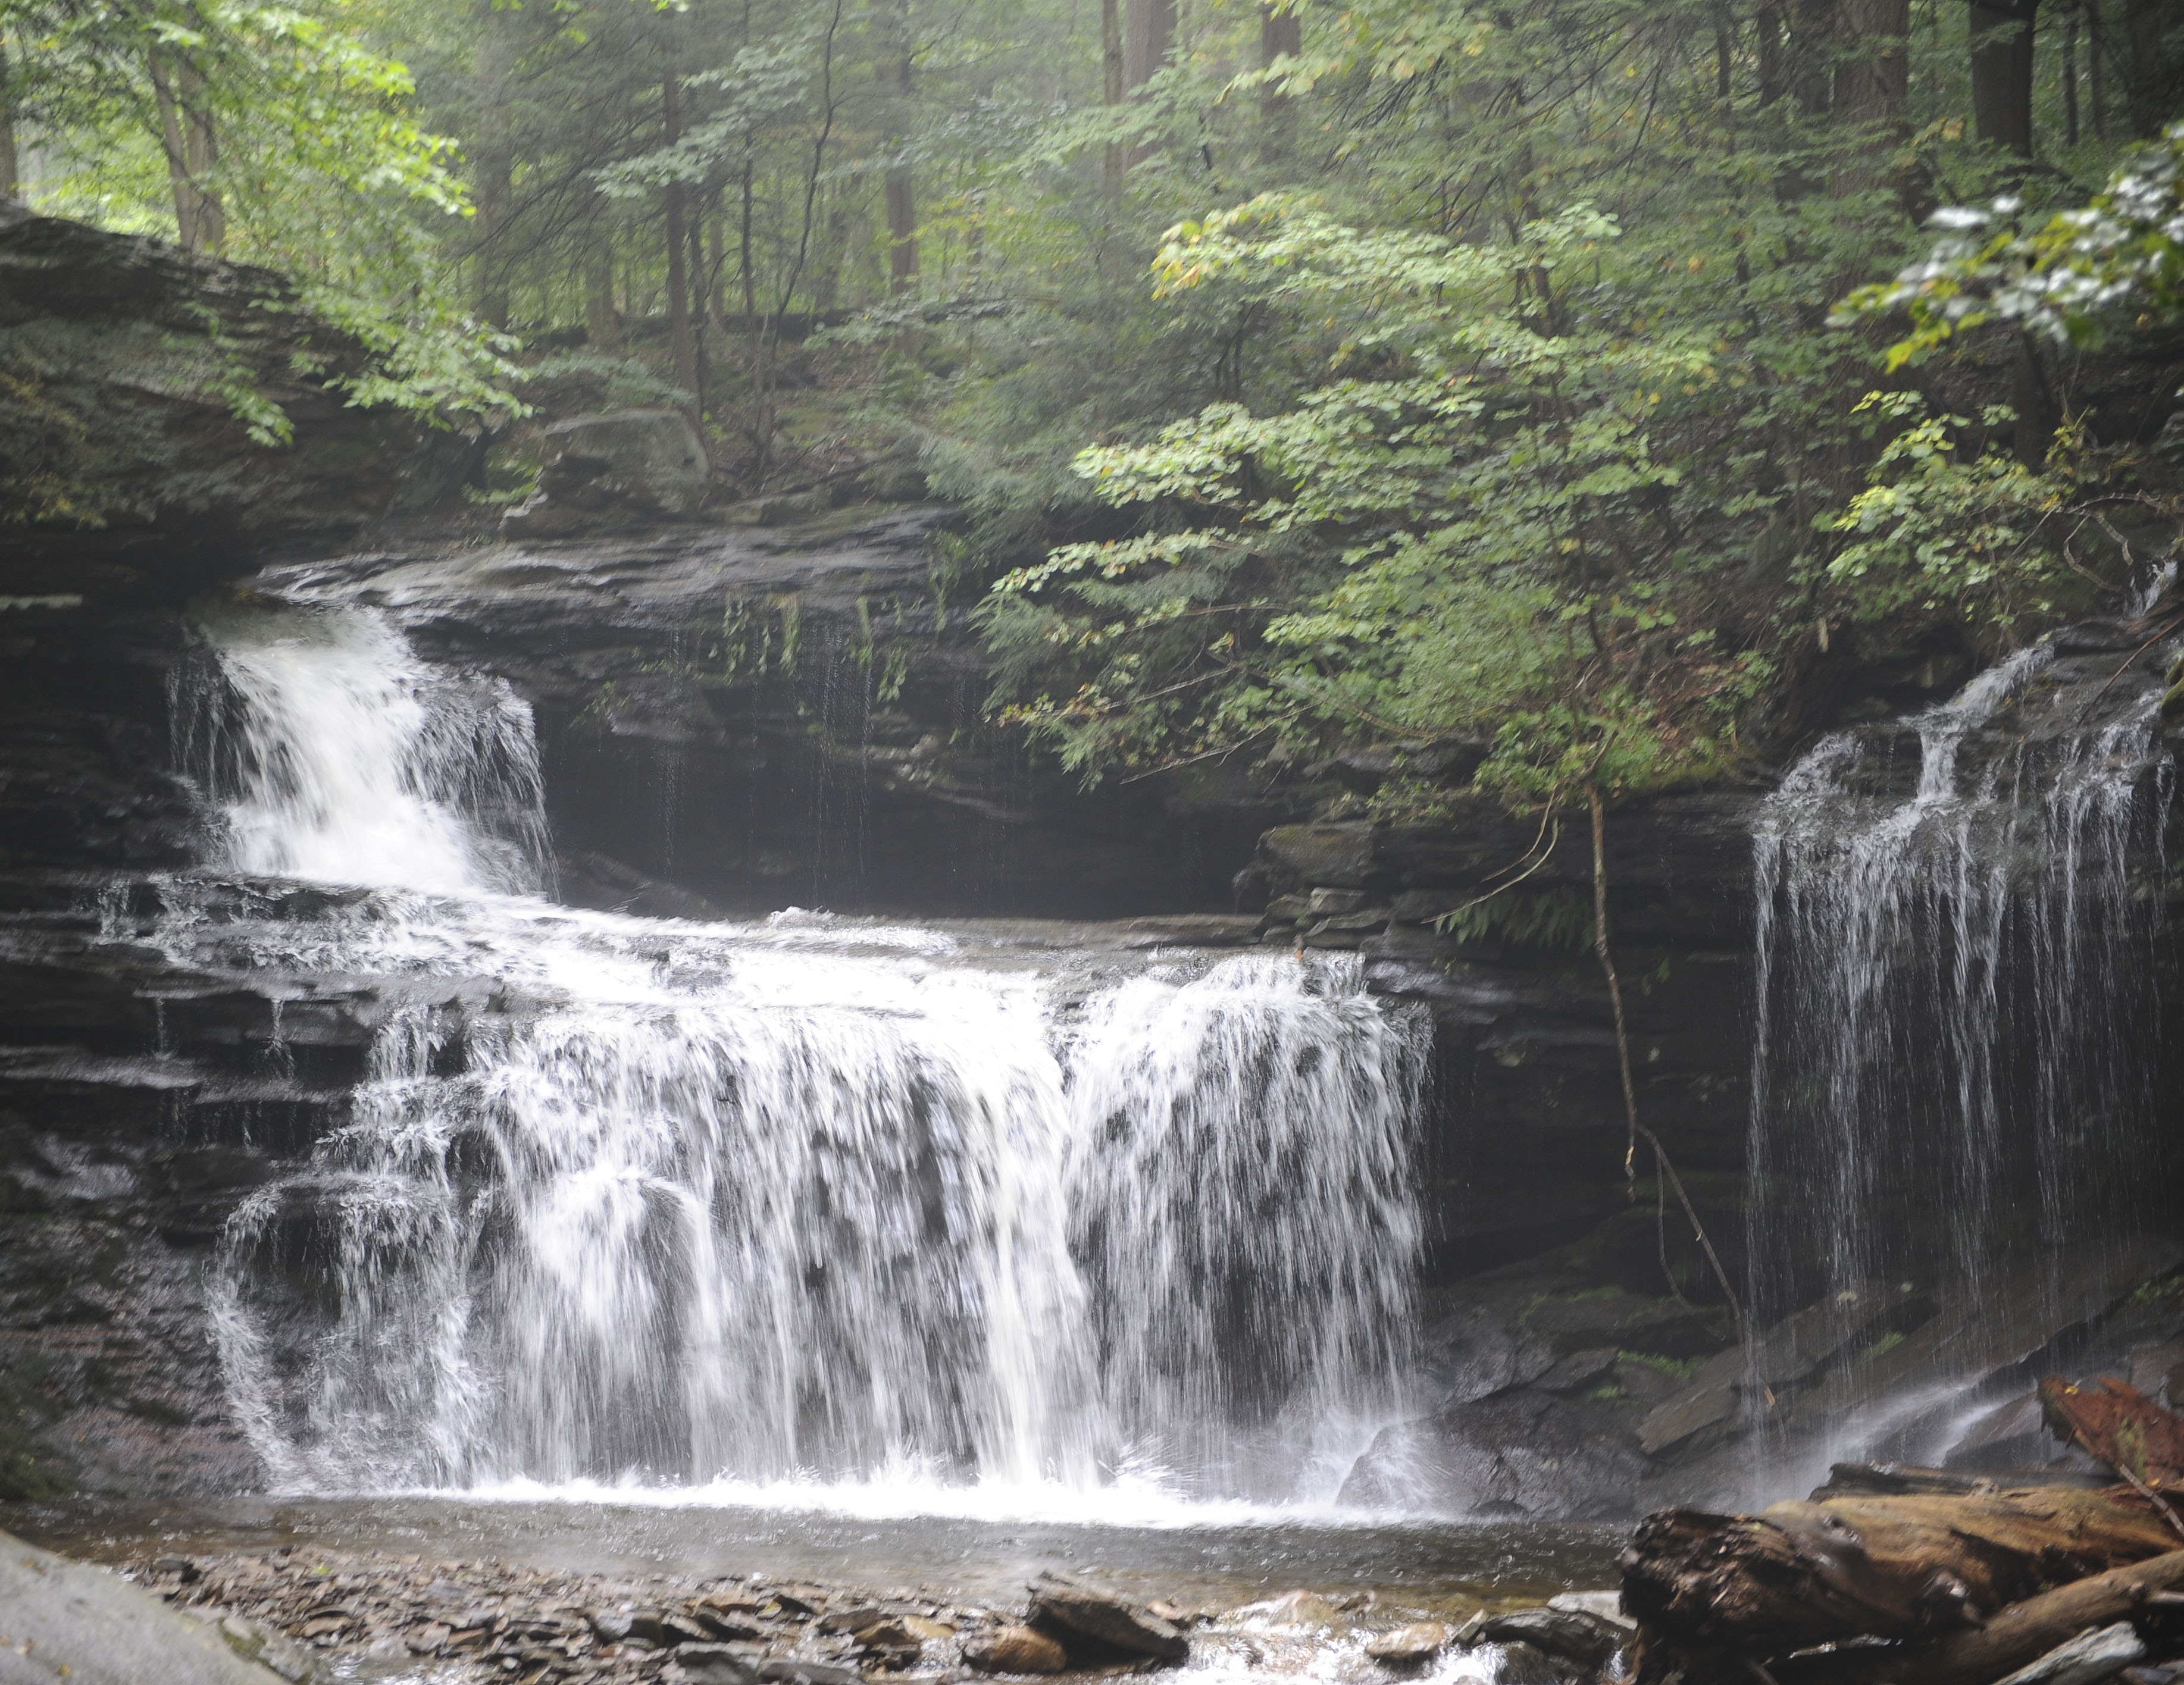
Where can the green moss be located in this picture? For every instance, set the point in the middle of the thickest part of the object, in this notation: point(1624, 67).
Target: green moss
point(1887, 1343)
point(1677, 1368)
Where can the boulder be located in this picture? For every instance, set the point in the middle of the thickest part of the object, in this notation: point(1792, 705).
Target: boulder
point(63, 1619)
point(1411, 1646)
point(1573, 1634)
point(1015, 1650)
point(1083, 1613)
point(634, 468)
point(1316, 856)
point(1521, 1452)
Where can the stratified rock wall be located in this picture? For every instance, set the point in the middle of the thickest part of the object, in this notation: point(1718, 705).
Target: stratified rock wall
point(124, 468)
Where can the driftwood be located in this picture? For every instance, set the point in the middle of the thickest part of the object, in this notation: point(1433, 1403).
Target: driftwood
point(1898, 1567)
point(2015, 1636)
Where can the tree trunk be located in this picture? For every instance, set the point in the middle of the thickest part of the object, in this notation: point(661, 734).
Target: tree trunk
point(900, 189)
point(493, 63)
point(201, 154)
point(2071, 77)
point(2001, 72)
point(716, 256)
point(2032, 434)
point(1897, 1567)
point(1148, 29)
point(2149, 86)
point(186, 138)
point(9, 180)
point(1112, 89)
point(2097, 68)
point(679, 277)
point(1773, 75)
point(2016, 1637)
point(1873, 87)
point(746, 202)
point(1281, 35)
point(601, 327)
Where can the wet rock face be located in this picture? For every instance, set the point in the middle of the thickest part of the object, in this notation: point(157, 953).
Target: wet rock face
point(1525, 1148)
point(771, 717)
point(597, 473)
point(141, 1100)
point(123, 471)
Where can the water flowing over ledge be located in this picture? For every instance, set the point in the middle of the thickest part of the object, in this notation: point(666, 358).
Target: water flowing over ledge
point(803, 1200)
point(1953, 1079)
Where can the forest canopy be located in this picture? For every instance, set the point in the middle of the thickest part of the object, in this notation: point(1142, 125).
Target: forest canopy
point(1561, 379)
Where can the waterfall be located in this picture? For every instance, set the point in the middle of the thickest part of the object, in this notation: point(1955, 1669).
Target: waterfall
point(336, 756)
point(1955, 945)
point(806, 1200)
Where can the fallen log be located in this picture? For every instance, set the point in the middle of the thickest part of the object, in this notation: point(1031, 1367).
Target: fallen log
point(1892, 1567)
point(2015, 1638)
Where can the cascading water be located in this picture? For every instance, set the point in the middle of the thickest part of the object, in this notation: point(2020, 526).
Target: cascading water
point(810, 1199)
point(337, 756)
point(1955, 999)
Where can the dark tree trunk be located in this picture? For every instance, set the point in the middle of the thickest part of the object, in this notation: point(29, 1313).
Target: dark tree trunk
point(2150, 93)
point(2096, 67)
point(9, 177)
point(2071, 77)
point(1873, 86)
point(492, 64)
point(1148, 29)
point(2001, 72)
point(601, 327)
point(678, 279)
point(1111, 88)
point(900, 188)
point(1773, 54)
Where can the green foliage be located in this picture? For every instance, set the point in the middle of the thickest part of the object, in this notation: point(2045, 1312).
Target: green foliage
point(1458, 371)
point(1555, 918)
point(1466, 526)
point(1939, 527)
point(2118, 260)
point(303, 141)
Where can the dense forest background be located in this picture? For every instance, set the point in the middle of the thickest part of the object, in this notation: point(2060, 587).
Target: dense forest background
point(1471, 379)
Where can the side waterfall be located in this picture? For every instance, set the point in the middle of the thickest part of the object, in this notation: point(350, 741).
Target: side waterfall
point(1955, 997)
point(807, 1199)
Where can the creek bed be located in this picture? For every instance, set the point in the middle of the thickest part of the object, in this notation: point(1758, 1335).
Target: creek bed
point(1365, 1577)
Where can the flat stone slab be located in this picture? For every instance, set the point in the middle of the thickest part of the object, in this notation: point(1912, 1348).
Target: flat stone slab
point(63, 1619)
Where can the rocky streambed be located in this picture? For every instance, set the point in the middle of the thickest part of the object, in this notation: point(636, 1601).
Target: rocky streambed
point(1377, 1604)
